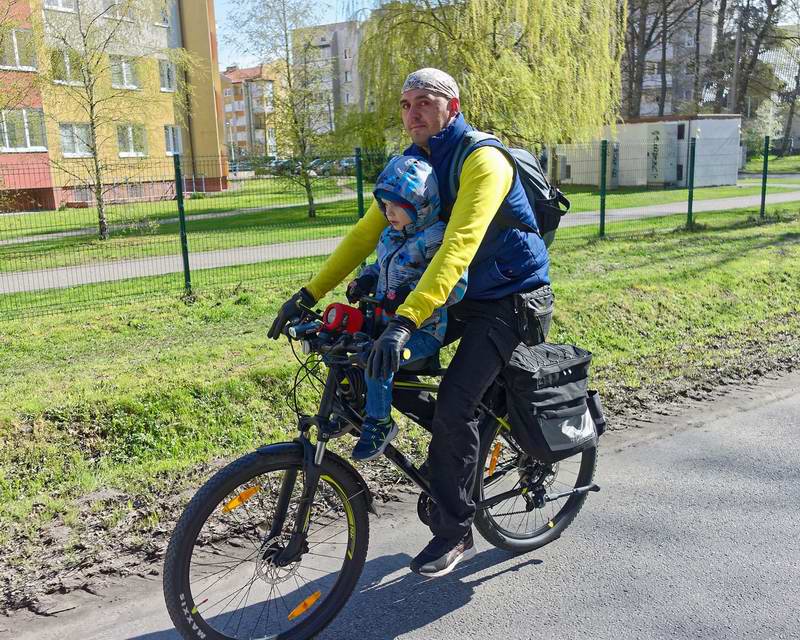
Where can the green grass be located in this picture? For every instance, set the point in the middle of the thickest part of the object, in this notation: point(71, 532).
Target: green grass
point(153, 238)
point(108, 414)
point(261, 193)
point(634, 197)
point(787, 164)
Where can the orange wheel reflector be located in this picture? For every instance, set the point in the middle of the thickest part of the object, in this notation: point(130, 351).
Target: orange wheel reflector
point(239, 500)
point(495, 456)
point(304, 606)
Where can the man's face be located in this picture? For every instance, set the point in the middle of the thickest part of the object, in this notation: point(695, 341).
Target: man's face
point(425, 114)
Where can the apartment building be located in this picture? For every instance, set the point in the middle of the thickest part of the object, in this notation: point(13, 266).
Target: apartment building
point(334, 48)
point(249, 109)
point(680, 54)
point(46, 159)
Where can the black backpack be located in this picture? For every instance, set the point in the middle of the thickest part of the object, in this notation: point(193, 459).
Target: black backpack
point(545, 200)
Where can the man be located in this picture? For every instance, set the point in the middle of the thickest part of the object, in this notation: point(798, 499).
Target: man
point(492, 231)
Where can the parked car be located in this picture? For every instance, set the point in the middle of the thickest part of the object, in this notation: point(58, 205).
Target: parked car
point(346, 166)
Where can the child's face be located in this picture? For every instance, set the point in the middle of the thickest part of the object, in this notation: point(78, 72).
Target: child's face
point(396, 215)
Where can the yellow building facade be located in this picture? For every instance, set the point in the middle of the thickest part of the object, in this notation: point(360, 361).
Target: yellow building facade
point(155, 93)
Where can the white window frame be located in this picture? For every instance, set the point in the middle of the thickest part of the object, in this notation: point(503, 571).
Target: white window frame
point(347, 98)
point(71, 79)
point(129, 129)
point(128, 73)
point(4, 148)
point(348, 76)
point(67, 6)
point(171, 74)
point(15, 46)
point(348, 53)
point(75, 154)
point(112, 11)
point(227, 92)
point(172, 134)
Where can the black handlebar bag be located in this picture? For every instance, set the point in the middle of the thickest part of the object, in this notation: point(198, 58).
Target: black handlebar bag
point(547, 389)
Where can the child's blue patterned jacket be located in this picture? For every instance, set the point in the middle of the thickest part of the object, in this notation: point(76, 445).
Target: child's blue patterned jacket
point(404, 255)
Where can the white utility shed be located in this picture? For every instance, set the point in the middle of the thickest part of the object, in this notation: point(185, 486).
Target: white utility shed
point(655, 151)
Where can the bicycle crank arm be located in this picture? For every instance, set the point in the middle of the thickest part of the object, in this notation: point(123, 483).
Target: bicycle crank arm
point(577, 491)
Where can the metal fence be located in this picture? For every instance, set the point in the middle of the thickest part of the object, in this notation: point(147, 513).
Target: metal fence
point(179, 225)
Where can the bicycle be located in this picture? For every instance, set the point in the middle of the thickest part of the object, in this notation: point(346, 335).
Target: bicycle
point(286, 527)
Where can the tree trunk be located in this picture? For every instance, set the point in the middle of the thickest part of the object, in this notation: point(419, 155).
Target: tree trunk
point(99, 198)
point(718, 58)
point(641, 53)
point(747, 71)
point(664, 33)
point(787, 130)
point(696, 97)
point(312, 208)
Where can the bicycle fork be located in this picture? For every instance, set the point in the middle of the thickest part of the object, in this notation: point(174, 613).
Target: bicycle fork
point(312, 470)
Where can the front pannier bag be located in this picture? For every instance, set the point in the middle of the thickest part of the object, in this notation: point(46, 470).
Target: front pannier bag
point(547, 400)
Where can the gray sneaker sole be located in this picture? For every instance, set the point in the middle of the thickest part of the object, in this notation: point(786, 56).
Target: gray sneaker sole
point(467, 555)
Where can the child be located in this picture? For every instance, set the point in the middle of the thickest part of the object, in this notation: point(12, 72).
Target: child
point(408, 195)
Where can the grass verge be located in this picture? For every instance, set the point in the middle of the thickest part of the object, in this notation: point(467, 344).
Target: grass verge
point(111, 416)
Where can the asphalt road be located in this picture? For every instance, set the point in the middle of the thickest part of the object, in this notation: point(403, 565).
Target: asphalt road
point(109, 271)
point(694, 535)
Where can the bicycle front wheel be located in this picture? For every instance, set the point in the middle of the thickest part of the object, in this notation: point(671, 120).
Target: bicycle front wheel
point(220, 578)
point(517, 524)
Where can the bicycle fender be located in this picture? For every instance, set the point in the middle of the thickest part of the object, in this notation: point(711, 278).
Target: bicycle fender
point(282, 447)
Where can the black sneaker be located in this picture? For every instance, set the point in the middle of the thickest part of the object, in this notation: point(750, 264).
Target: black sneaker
point(375, 437)
point(442, 555)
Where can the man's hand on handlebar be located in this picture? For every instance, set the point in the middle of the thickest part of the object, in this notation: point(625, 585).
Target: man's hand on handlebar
point(290, 312)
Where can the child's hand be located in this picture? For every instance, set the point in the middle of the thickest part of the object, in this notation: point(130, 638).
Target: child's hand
point(395, 298)
point(359, 288)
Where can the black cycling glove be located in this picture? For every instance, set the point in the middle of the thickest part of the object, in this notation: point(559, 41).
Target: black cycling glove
point(360, 287)
point(395, 298)
point(291, 311)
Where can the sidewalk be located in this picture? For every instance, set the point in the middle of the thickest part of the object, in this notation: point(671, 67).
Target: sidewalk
point(62, 277)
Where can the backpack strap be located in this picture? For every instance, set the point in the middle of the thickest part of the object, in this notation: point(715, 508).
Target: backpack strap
point(471, 141)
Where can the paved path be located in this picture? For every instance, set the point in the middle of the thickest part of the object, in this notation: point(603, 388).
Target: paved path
point(62, 277)
point(694, 535)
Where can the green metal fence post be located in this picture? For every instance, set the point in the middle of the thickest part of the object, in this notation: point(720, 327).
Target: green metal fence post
point(360, 182)
point(603, 166)
point(187, 276)
point(764, 176)
point(692, 147)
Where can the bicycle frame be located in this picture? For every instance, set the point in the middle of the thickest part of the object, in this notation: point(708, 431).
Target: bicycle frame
point(313, 454)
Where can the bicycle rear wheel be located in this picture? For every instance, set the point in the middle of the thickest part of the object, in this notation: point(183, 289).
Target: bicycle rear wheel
point(517, 524)
point(220, 582)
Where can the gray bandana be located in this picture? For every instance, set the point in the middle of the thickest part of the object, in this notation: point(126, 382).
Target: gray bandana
point(433, 80)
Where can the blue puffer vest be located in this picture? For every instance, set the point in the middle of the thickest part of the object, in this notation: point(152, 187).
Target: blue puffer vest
point(509, 260)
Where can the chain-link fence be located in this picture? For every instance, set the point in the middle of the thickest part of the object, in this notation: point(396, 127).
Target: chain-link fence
point(178, 225)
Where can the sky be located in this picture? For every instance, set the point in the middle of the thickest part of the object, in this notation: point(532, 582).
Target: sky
point(228, 54)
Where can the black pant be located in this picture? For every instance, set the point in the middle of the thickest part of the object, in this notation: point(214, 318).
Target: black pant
point(489, 333)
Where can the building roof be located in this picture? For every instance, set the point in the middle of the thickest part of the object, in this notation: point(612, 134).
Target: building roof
point(234, 74)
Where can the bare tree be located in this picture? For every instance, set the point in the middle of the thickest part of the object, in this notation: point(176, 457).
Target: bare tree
point(651, 23)
point(101, 57)
point(280, 31)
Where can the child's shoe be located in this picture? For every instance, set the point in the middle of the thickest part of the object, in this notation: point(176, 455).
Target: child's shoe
point(375, 436)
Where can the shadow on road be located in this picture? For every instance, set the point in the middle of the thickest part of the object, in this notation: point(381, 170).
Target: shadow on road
point(384, 607)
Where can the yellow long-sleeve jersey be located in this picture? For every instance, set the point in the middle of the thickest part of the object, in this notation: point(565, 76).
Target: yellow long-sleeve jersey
point(485, 180)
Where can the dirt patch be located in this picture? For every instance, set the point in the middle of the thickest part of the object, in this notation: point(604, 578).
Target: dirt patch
point(119, 534)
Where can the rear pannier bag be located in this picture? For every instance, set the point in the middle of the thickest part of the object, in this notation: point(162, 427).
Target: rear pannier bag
point(547, 400)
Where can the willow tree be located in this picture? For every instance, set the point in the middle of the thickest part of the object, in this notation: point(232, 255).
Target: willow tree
point(533, 71)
